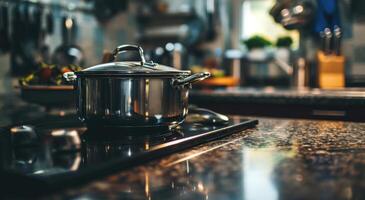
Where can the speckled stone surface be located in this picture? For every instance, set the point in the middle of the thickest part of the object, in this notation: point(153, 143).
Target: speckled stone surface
point(279, 159)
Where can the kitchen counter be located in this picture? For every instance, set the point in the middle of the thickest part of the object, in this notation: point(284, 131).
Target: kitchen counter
point(279, 159)
point(346, 104)
point(348, 97)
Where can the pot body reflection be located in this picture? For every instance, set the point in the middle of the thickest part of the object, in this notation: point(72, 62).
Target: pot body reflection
point(131, 101)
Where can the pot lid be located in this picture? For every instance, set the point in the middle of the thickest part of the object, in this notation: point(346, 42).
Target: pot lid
point(141, 68)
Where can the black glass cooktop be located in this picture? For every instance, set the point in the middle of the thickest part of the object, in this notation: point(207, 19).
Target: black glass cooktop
point(47, 155)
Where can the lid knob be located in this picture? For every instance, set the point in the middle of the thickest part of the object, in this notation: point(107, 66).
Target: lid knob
point(123, 48)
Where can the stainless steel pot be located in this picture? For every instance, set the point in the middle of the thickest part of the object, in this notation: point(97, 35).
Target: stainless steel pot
point(133, 94)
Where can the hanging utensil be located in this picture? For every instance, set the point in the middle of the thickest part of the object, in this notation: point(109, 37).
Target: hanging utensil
point(35, 25)
point(68, 52)
point(49, 23)
point(210, 10)
point(4, 28)
point(22, 59)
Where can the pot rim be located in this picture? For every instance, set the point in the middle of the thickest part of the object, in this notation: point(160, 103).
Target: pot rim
point(132, 74)
point(131, 68)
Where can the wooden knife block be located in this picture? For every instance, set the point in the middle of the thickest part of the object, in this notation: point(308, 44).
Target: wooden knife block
point(331, 71)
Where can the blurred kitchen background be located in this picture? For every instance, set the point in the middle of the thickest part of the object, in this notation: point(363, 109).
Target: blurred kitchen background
point(246, 43)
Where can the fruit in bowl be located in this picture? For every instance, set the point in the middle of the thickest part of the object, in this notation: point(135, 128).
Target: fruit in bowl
point(213, 71)
point(48, 75)
point(218, 78)
point(47, 87)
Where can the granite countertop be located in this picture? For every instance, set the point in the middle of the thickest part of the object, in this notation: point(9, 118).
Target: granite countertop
point(279, 159)
point(270, 95)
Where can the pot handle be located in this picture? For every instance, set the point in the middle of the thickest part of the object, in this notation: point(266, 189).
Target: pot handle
point(123, 48)
point(191, 79)
point(70, 76)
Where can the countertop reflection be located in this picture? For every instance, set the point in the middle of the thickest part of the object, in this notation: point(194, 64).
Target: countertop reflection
point(279, 159)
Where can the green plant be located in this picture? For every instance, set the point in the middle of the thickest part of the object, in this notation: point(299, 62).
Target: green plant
point(285, 41)
point(256, 41)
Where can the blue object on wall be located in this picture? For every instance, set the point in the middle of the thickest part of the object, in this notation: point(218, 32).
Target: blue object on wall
point(327, 15)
